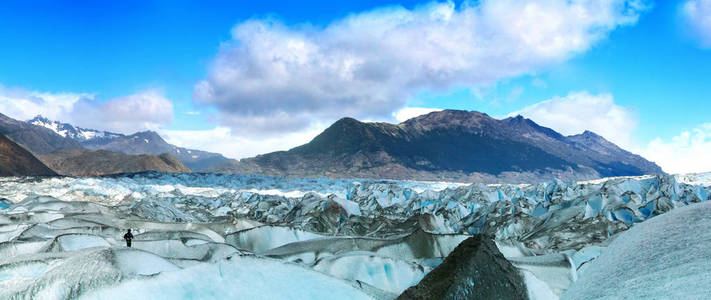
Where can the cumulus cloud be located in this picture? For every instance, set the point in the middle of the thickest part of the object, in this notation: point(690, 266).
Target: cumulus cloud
point(407, 113)
point(141, 111)
point(689, 152)
point(146, 110)
point(222, 140)
point(697, 14)
point(272, 77)
point(22, 104)
point(580, 111)
point(539, 83)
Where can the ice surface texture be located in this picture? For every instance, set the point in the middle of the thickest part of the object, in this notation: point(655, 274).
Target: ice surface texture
point(61, 237)
point(666, 257)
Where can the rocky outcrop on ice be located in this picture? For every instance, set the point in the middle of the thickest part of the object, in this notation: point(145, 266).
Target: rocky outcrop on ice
point(474, 270)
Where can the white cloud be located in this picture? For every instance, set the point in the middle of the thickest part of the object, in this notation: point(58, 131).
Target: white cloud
point(275, 78)
point(580, 111)
point(515, 94)
point(539, 83)
point(689, 152)
point(146, 110)
point(221, 140)
point(407, 113)
point(141, 111)
point(21, 104)
point(697, 14)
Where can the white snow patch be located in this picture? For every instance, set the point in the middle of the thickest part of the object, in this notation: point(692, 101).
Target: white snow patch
point(666, 257)
point(263, 238)
point(139, 262)
point(238, 278)
point(537, 289)
point(389, 274)
point(75, 242)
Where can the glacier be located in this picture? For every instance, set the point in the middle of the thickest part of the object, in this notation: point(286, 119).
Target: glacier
point(218, 236)
point(666, 257)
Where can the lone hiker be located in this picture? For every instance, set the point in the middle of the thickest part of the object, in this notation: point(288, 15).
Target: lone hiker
point(128, 237)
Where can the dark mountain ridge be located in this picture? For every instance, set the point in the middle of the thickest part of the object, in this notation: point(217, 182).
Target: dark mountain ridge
point(102, 162)
point(17, 161)
point(449, 145)
point(38, 139)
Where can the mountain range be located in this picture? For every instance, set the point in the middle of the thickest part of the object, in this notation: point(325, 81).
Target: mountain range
point(449, 145)
point(64, 149)
point(145, 142)
point(37, 139)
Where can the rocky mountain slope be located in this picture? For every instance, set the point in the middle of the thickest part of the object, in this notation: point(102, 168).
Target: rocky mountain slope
point(81, 135)
point(150, 142)
point(102, 162)
point(38, 139)
point(17, 161)
point(449, 145)
point(145, 142)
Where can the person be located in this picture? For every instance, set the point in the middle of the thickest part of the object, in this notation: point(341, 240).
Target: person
point(128, 237)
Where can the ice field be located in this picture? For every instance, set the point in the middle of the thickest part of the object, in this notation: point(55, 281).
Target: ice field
point(224, 236)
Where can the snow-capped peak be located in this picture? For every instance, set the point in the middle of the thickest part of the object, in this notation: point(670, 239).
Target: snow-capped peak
point(70, 131)
point(39, 120)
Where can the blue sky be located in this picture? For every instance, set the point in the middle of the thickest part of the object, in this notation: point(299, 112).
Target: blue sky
point(636, 72)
